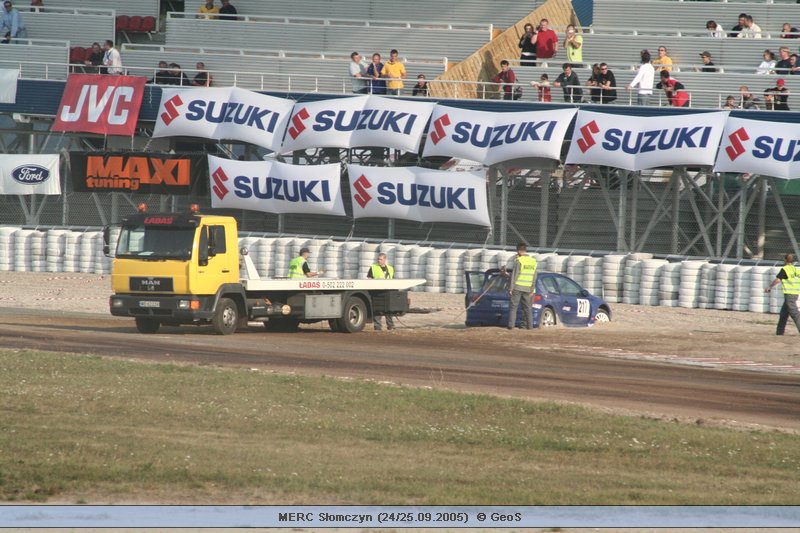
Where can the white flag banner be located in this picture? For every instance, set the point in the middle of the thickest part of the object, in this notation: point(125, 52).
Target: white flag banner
point(638, 143)
point(491, 138)
point(223, 113)
point(274, 187)
point(8, 85)
point(30, 174)
point(413, 193)
point(758, 147)
point(358, 121)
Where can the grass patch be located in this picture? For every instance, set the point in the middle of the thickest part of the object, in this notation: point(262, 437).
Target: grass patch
point(76, 426)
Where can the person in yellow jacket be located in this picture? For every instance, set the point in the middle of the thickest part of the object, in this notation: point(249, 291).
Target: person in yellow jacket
point(395, 71)
point(209, 9)
point(298, 267)
point(789, 277)
point(522, 286)
point(381, 270)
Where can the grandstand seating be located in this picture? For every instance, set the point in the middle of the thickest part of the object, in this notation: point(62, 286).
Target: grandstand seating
point(319, 35)
point(500, 13)
point(267, 69)
point(142, 8)
point(37, 58)
point(79, 25)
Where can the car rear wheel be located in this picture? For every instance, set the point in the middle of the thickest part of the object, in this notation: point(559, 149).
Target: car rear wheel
point(548, 318)
point(602, 316)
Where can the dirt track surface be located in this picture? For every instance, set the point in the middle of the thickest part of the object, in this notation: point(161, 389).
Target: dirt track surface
point(696, 365)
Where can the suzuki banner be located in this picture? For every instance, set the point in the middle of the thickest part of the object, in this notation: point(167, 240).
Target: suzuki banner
point(223, 113)
point(29, 174)
point(638, 143)
point(358, 121)
point(491, 138)
point(758, 147)
point(8, 85)
point(94, 103)
point(138, 172)
point(414, 193)
point(274, 187)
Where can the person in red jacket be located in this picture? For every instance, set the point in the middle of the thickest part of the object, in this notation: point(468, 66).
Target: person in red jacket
point(675, 91)
point(546, 41)
point(506, 78)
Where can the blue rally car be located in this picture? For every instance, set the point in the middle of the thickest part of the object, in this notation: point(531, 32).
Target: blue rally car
point(558, 299)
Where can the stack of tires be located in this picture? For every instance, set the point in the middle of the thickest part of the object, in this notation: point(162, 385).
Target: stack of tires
point(741, 287)
point(593, 275)
point(351, 258)
point(760, 278)
point(689, 291)
point(708, 278)
point(575, 268)
point(613, 277)
point(7, 248)
point(723, 295)
point(435, 270)
point(454, 275)
point(669, 287)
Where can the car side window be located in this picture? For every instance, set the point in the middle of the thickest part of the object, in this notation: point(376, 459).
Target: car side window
point(550, 286)
point(569, 287)
point(498, 283)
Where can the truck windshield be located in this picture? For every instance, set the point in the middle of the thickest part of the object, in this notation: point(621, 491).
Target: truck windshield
point(156, 242)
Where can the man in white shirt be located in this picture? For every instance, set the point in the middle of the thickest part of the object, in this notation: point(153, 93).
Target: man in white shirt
point(358, 71)
point(751, 31)
point(111, 59)
point(644, 80)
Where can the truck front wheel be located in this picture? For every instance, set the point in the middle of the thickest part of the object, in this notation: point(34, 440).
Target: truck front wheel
point(226, 317)
point(147, 325)
point(354, 316)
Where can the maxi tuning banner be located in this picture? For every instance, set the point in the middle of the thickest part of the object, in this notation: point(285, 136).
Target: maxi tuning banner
point(491, 138)
point(94, 103)
point(638, 143)
point(413, 193)
point(223, 113)
point(274, 187)
point(29, 174)
point(758, 147)
point(358, 121)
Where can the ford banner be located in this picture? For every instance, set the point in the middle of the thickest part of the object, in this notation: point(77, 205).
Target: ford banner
point(760, 147)
point(638, 143)
point(223, 113)
point(358, 121)
point(30, 174)
point(274, 187)
point(492, 138)
point(413, 193)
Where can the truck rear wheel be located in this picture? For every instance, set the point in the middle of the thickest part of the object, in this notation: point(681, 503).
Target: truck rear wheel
point(147, 325)
point(226, 317)
point(354, 316)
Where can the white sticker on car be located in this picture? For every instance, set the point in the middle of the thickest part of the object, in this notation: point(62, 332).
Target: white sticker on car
point(583, 308)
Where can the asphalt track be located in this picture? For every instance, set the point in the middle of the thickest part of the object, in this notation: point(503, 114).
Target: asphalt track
point(438, 358)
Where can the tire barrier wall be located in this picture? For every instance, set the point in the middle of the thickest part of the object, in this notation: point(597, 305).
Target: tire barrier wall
point(619, 278)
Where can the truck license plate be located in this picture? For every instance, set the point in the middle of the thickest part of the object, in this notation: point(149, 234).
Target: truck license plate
point(149, 303)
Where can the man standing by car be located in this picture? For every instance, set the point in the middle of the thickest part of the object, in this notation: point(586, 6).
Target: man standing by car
point(789, 277)
point(523, 281)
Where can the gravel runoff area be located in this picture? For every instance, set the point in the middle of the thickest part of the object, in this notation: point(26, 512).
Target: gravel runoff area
point(677, 334)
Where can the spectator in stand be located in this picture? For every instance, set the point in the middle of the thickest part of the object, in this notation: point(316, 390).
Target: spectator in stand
point(358, 72)
point(740, 26)
point(163, 76)
point(675, 91)
point(768, 65)
point(663, 62)
point(13, 26)
point(546, 41)
point(644, 80)
point(112, 59)
point(570, 84)
point(608, 84)
point(395, 70)
point(203, 78)
point(748, 101)
point(421, 88)
point(527, 57)
point(730, 103)
point(37, 6)
point(715, 30)
point(708, 65)
point(784, 64)
point(573, 44)
point(227, 11)
point(751, 29)
point(594, 84)
point(178, 76)
point(769, 101)
point(543, 88)
point(94, 63)
point(789, 32)
point(794, 65)
point(780, 96)
point(377, 85)
point(209, 9)
point(506, 78)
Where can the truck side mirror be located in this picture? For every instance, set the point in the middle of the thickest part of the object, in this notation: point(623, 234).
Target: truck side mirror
point(202, 255)
point(212, 242)
point(107, 241)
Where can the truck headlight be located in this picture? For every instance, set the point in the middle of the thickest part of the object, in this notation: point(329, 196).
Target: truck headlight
point(116, 302)
point(286, 309)
point(184, 304)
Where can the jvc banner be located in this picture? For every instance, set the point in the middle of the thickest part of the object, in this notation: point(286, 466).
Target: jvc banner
point(93, 103)
point(357, 121)
point(274, 187)
point(757, 147)
point(414, 193)
point(8, 85)
point(638, 143)
point(491, 138)
point(138, 172)
point(223, 113)
point(29, 174)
